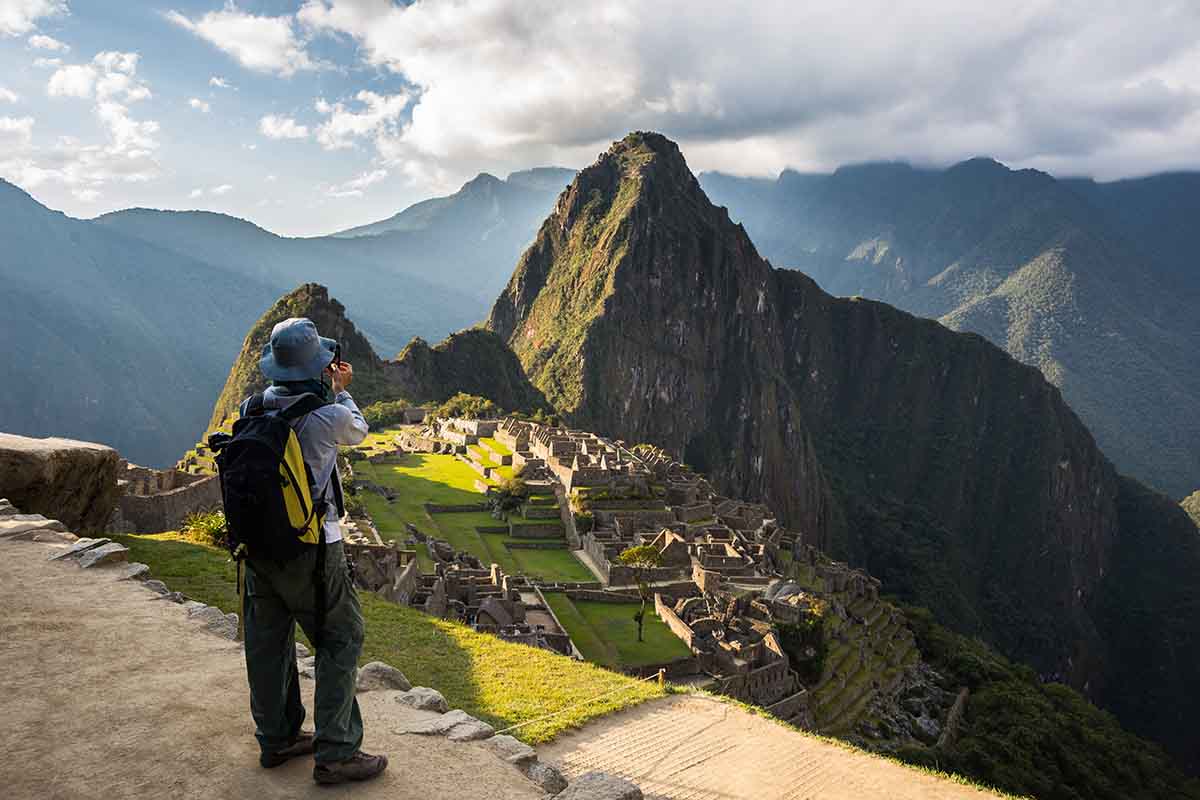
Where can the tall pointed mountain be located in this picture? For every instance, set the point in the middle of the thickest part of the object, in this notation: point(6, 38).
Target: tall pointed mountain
point(934, 459)
point(1096, 284)
point(474, 361)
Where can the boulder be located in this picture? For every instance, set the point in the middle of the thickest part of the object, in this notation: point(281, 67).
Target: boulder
point(79, 547)
point(512, 750)
point(111, 553)
point(49, 537)
point(378, 676)
point(156, 586)
point(133, 571)
point(73, 481)
point(423, 698)
point(471, 731)
point(7, 509)
point(600, 786)
point(19, 524)
point(547, 777)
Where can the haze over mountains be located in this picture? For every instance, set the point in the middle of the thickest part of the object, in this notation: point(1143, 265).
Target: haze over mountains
point(122, 329)
point(1095, 284)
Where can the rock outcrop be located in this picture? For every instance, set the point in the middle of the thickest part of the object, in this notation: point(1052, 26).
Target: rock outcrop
point(1191, 504)
point(473, 361)
point(67, 480)
point(933, 459)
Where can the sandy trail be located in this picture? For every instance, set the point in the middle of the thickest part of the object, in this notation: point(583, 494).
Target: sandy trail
point(107, 693)
point(691, 747)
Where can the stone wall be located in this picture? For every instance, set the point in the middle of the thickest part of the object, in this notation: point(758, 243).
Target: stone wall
point(166, 511)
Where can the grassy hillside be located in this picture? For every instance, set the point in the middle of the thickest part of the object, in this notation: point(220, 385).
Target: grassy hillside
point(500, 682)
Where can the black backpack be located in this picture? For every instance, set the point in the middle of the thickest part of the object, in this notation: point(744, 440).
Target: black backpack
point(270, 513)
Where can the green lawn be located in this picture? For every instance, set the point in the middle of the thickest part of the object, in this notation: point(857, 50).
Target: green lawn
point(380, 441)
point(496, 446)
point(558, 565)
point(497, 681)
point(419, 478)
point(606, 634)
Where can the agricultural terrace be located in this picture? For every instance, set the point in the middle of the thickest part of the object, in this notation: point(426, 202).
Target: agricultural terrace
point(538, 549)
point(606, 633)
point(497, 681)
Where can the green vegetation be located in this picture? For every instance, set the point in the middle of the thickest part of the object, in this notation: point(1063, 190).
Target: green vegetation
point(1042, 740)
point(420, 478)
point(208, 527)
point(495, 446)
point(497, 681)
point(468, 406)
point(385, 413)
point(641, 559)
point(606, 633)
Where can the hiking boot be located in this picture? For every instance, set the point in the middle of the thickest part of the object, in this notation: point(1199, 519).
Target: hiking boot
point(302, 745)
point(358, 767)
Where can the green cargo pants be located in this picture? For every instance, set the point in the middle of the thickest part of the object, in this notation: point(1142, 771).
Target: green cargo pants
point(277, 597)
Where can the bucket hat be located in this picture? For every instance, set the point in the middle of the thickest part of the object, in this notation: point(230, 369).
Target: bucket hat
point(296, 351)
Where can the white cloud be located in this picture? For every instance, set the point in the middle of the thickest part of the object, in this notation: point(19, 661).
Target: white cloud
point(111, 74)
point(8, 95)
point(45, 63)
point(194, 193)
point(379, 117)
point(18, 17)
point(355, 186)
point(16, 132)
point(270, 179)
point(759, 86)
point(219, 83)
point(224, 188)
point(127, 155)
point(75, 80)
point(276, 127)
point(199, 105)
point(42, 42)
point(260, 43)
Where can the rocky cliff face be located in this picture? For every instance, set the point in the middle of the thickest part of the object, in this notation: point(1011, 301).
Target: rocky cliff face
point(472, 361)
point(941, 464)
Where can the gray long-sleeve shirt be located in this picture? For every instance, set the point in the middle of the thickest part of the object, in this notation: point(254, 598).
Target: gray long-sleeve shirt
point(320, 433)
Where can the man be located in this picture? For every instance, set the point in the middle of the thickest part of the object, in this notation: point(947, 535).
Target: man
point(299, 362)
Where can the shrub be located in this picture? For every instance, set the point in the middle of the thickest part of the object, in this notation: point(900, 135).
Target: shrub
point(385, 413)
point(468, 406)
point(207, 527)
point(584, 522)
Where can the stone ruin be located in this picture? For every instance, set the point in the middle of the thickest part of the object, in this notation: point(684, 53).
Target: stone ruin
point(154, 500)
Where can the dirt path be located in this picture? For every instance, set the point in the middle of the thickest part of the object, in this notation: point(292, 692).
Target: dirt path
point(692, 747)
point(106, 693)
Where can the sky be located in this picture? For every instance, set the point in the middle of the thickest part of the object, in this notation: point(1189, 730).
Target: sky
point(311, 116)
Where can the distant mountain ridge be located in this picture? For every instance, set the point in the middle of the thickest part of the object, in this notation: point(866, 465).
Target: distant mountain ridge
point(933, 459)
point(1094, 283)
point(174, 290)
point(109, 337)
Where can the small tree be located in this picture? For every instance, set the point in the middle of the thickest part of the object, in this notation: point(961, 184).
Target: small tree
point(642, 559)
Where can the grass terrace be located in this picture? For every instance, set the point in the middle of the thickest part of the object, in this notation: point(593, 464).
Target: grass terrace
point(606, 634)
point(420, 478)
point(500, 682)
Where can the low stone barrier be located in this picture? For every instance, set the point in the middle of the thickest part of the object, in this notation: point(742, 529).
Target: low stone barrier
point(521, 530)
point(461, 508)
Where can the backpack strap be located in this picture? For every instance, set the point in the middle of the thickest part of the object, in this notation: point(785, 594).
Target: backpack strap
point(305, 405)
point(254, 406)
